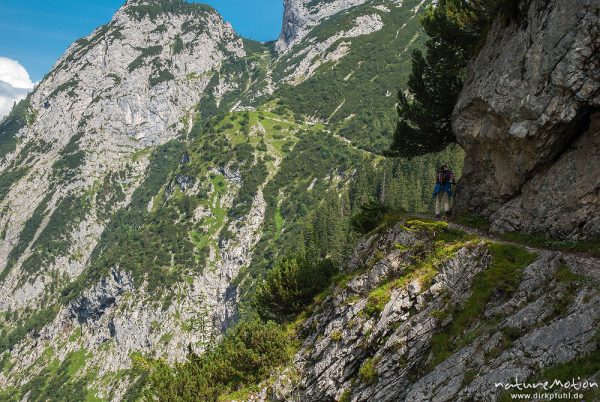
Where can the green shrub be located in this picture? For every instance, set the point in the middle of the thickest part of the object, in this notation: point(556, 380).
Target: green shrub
point(69, 86)
point(368, 372)
point(377, 300)
point(246, 355)
point(146, 52)
point(178, 46)
point(470, 375)
point(163, 75)
point(346, 396)
point(291, 286)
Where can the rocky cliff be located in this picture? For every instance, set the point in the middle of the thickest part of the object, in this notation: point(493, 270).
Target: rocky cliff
point(427, 312)
point(81, 155)
point(300, 16)
point(527, 119)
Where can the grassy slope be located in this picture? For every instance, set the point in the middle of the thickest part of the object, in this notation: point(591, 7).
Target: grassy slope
point(365, 82)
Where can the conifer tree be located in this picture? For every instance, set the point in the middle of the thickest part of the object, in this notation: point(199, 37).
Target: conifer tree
point(456, 30)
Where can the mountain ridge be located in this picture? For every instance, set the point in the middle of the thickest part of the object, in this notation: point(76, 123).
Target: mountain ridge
point(147, 184)
point(168, 175)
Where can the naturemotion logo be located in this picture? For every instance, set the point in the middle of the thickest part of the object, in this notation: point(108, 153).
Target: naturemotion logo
point(559, 389)
point(576, 385)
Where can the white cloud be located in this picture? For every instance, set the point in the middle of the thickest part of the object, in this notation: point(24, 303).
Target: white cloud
point(14, 74)
point(15, 83)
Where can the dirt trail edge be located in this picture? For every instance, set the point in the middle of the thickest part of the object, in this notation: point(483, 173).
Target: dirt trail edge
point(585, 264)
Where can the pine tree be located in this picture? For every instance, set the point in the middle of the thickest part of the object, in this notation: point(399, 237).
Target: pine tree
point(291, 286)
point(456, 29)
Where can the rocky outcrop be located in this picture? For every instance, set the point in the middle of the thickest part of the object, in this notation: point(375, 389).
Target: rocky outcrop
point(332, 49)
point(93, 304)
point(353, 352)
point(300, 16)
point(563, 199)
point(526, 119)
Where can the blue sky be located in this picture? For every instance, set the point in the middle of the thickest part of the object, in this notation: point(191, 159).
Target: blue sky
point(37, 32)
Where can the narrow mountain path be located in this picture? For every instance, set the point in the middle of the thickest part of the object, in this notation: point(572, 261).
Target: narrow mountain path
point(589, 265)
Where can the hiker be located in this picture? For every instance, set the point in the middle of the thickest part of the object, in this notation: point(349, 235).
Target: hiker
point(443, 190)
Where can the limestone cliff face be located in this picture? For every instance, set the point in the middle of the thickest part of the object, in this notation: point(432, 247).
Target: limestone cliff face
point(528, 123)
point(91, 125)
point(300, 16)
point(422, 342)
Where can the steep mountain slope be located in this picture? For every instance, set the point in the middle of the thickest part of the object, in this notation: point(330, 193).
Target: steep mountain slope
point(75, 152)
point(157, 171)
point(427, 312)
point(131, 72)
point(300, 16)
point(347, 71)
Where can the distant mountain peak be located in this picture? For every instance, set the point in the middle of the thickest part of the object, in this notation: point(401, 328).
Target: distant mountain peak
point(141, 9)
point(300, 16)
